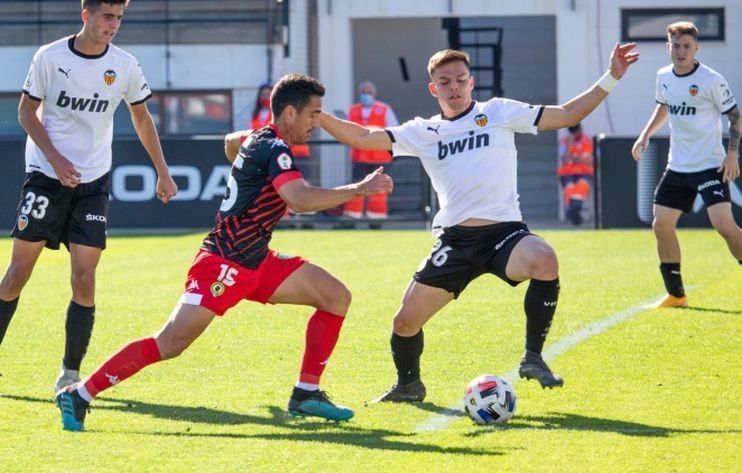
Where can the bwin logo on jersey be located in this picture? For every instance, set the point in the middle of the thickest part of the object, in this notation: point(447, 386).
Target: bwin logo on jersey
point(82, 104)
point(459, 146)
point(683, 109)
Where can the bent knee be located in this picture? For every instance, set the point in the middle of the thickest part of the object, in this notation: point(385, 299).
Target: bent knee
point(17, 276)
point(83, 280)
point(405, 326)
point(544, 265)
point(336, 300)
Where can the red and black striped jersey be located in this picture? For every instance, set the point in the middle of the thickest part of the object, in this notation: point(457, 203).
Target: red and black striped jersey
point(252, 207)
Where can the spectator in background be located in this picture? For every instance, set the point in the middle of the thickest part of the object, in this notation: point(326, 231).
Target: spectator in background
point(371, 113)
point(575, 171)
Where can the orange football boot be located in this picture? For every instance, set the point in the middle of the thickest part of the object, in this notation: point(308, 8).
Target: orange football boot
point(672, 301)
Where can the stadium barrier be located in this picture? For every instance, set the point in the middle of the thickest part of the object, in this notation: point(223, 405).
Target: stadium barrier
point(624, 189)
point(200, 169)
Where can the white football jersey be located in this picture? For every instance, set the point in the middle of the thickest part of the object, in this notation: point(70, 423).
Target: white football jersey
point(695, 103)
point(471, 158)
point(79, 95)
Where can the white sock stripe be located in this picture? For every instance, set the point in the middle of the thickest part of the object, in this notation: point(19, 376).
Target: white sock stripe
point(84, 393)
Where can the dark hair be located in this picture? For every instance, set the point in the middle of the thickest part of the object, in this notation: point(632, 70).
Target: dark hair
point(295, 90)
point(256, 108)
point(93, 5)
point(574, 128)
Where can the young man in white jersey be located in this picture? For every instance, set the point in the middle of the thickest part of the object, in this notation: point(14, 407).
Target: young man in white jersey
point(80, 80)
point(469, 153)
point(692, 97)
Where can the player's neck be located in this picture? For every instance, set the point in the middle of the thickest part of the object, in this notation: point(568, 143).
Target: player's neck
point(282, 131)
point(450, 114)
point(684, 70)
point(86, 45)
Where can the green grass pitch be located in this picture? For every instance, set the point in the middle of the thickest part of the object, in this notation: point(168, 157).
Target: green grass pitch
point(658, 392)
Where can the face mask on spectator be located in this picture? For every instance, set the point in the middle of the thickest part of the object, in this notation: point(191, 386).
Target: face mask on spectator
point(367, 99)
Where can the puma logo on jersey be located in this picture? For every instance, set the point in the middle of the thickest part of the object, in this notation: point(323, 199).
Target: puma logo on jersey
point(66, 73)
point(720, 193)
point(82, 104)
point(434, 130)
point(681, 109)
point(459, 146)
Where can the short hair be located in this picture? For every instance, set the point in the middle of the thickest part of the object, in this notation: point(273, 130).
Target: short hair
point(93, 5)
point(444, 57)
point(295, 90)
point(681, 28)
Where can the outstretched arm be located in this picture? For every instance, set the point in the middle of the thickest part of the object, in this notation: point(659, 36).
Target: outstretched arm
point(355, 135)
point(656, 121)
point(572, 112)
point(730, 166)
point(302, 197)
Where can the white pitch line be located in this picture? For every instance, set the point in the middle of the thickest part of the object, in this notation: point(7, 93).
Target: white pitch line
point(450, 414)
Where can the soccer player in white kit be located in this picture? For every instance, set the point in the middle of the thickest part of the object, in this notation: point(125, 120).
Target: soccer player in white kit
point(468, 151)
point(80, 80)
point(692, 97)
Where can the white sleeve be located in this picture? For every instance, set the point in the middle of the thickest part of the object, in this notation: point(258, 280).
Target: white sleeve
point(722, 95)
point(36, 80)
point(137, 90)
point(658, 96)
point(519, 117)
point(404, 138)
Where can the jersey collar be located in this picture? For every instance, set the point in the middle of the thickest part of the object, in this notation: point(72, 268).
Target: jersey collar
point(71, 44)
point(464, 113)
point(275, 130)
point(695, 67)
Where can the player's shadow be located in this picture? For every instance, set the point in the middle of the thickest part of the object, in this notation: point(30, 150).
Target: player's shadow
point(439, 410)
point(307, 429)
point(711, 309)
point(570, 421)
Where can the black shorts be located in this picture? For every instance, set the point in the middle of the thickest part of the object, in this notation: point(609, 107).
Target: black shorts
point(678, 190)
point(50, 212)
point(462, 254)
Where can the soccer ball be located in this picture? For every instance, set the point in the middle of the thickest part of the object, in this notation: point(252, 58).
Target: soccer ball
point(489, 399)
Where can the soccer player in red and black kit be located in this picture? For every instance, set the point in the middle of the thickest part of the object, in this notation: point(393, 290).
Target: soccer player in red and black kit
point(235, 262)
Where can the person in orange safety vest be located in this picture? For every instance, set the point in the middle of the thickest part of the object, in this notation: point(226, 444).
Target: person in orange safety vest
point(575, 171)
point(374, 113)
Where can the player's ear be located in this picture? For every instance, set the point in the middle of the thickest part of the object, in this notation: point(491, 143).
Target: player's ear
point(432, 89)
point(85, 15)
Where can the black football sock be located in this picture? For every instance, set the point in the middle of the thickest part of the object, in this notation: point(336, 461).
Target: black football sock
point(539, 304)
point(79, 328)
point(673, 280)
point(406, 352)
point(7, 309)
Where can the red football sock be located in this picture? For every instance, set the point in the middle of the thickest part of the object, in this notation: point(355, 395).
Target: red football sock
point(323, 329)
point(127, 362)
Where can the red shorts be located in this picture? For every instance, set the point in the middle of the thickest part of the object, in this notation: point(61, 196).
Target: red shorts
point(218, 284)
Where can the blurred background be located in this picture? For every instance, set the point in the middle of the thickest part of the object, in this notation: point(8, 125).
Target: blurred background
point(205, 62)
